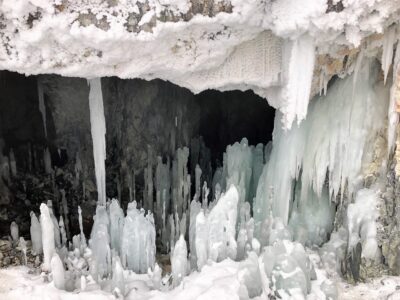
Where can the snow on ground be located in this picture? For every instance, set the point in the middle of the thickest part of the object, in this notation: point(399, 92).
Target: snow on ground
point(216, 281)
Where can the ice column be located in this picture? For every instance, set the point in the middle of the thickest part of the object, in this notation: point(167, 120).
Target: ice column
point(98, 129)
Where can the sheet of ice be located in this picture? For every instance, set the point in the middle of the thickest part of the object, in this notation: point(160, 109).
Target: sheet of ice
point(48, 243)
point(98, 130)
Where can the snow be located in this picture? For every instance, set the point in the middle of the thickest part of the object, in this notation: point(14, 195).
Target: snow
point(238, 49)
point(98, 130)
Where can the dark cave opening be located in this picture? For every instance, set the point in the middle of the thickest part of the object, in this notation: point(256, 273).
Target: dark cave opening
point(144, 119)
point(227, 117)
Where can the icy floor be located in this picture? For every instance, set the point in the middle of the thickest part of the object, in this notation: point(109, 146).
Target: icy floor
point(217, 281)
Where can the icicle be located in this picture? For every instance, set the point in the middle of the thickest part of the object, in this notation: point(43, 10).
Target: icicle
point(198, 181)
point(42, 107)
point(389, 38)
point(299, 58)
point(98, 129)
point(47, 161)
point(13, 164)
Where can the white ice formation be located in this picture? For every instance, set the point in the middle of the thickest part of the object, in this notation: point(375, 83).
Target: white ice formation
point(48, 243)
point(237, 45)
point(98, 128)
point(36, 234)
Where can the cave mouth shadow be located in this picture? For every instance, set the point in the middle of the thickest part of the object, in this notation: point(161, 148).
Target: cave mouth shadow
point(227, 117)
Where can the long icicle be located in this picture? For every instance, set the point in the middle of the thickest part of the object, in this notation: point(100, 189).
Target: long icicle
point(98, 130)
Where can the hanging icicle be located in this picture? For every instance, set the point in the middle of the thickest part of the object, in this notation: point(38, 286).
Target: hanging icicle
point(98, 129)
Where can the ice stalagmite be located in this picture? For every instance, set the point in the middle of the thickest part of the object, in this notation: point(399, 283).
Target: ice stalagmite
point(326, 147)
point(47, 236)
point(118, 280)
point(58, 272)
point(98, 129)
point(36, 234)
point(14, 232)
point(116, 225)
point(179, 261)
point(100, 244)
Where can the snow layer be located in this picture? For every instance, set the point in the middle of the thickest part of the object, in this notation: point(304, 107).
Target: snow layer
point(238, 45)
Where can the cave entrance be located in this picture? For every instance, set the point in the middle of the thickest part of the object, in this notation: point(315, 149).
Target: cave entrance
point(143, 119)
